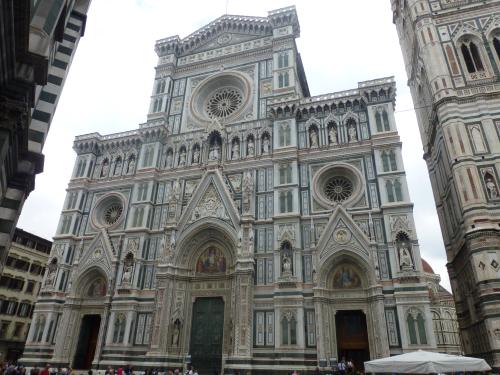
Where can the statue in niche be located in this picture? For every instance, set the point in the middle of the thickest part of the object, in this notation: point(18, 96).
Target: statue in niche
point(313, 136)
point(405, 260)
point(105, 168)
point(286, 265)
point(118, 166)
point(214, 152)
point(51, 275)
point(168, 163)
point(128, 266)
point(352, 134)
point(131, 164)
point(265, 145)
point(235, 153)
point(177, 332)
point(490, 186)
point(333, 135)
point(196, 155)
point(250, 147)
point(182, 158)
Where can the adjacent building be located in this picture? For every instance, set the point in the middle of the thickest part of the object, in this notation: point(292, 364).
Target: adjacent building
point(19, 286)
point(38, 40)
point(452, 55)
point(444, 317)
point(245, 226)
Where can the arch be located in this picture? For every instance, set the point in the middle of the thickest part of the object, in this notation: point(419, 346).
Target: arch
point(92, 283)
point(494, 39)
point(471, 53)
point(196, 239)
point(346, 256)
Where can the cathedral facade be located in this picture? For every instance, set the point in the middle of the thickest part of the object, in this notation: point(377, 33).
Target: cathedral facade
point(245, 226)
point(452, 56)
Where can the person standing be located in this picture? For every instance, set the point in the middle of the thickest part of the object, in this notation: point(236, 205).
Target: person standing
point(341, 367)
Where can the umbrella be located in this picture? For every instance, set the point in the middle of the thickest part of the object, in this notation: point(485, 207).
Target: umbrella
point(422, 362)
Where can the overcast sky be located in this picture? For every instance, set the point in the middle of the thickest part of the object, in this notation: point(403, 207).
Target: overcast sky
point(111, 80)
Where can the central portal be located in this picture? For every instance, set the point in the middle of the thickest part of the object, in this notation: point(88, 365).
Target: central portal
point(207, 335)
point(87, 342)
point(352, 337)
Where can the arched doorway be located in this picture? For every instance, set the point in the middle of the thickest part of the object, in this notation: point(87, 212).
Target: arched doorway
point(350, 305)
point(91, 289)
point(211, 285)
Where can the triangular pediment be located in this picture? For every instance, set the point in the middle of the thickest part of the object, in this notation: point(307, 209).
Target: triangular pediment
point(342, 233)
point(223, 39)
point(225, 30)
point(100, 253)
point(211, 199)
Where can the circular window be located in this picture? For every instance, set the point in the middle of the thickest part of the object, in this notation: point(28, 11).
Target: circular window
point(338, 189)
point(338, 183)
point(113, 213)
point(224, 102)
point(108, 211)
point(223, 96)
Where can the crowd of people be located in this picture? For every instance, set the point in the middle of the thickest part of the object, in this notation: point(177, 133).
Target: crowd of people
point(343, 368)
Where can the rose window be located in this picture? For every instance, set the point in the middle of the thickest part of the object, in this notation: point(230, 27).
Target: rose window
point(224, 102)
point(113, 213)
point(338, 189)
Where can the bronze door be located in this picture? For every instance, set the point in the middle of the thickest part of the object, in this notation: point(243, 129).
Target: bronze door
point(207, 335)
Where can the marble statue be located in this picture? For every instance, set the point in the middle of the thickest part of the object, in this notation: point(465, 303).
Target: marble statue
point(333, 135)
point(265, 145)
point(196, 155)
point(314, 137)
point(352, 134)
point(250, 147)
point(236, 151)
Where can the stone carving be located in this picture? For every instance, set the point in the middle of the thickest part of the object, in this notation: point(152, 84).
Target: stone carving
point(235, 153)
point(286, 232)
point(491, 186)
point(168, 163)
point(196, 155)
point(333, 135)
point(105, 168)
point(51, 273)
point(131, 164)
point(176, 333)
point(210, 206)
point(248, 188)
point(118, 166)
point(265, 144)
point(174, 195)
point(405, 257)
point(342, 236)
point(286, 266)
point(353, 137)
point(313, 136)
point(133, 245)
point(128, 266)
point(250, 147)
point(214, 152)
point(182, 158)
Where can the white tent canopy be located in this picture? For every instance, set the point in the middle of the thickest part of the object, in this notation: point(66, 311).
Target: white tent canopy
point(422, 362)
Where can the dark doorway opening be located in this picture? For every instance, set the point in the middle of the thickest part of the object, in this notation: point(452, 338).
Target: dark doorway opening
point(87, 342)
point(207, 335)
point(352, 337)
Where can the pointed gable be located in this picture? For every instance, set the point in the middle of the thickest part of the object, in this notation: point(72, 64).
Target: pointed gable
point(341, 232)
point(100, 253)
point(211, 199)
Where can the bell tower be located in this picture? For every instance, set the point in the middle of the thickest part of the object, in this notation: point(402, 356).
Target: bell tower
point(451, 51)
